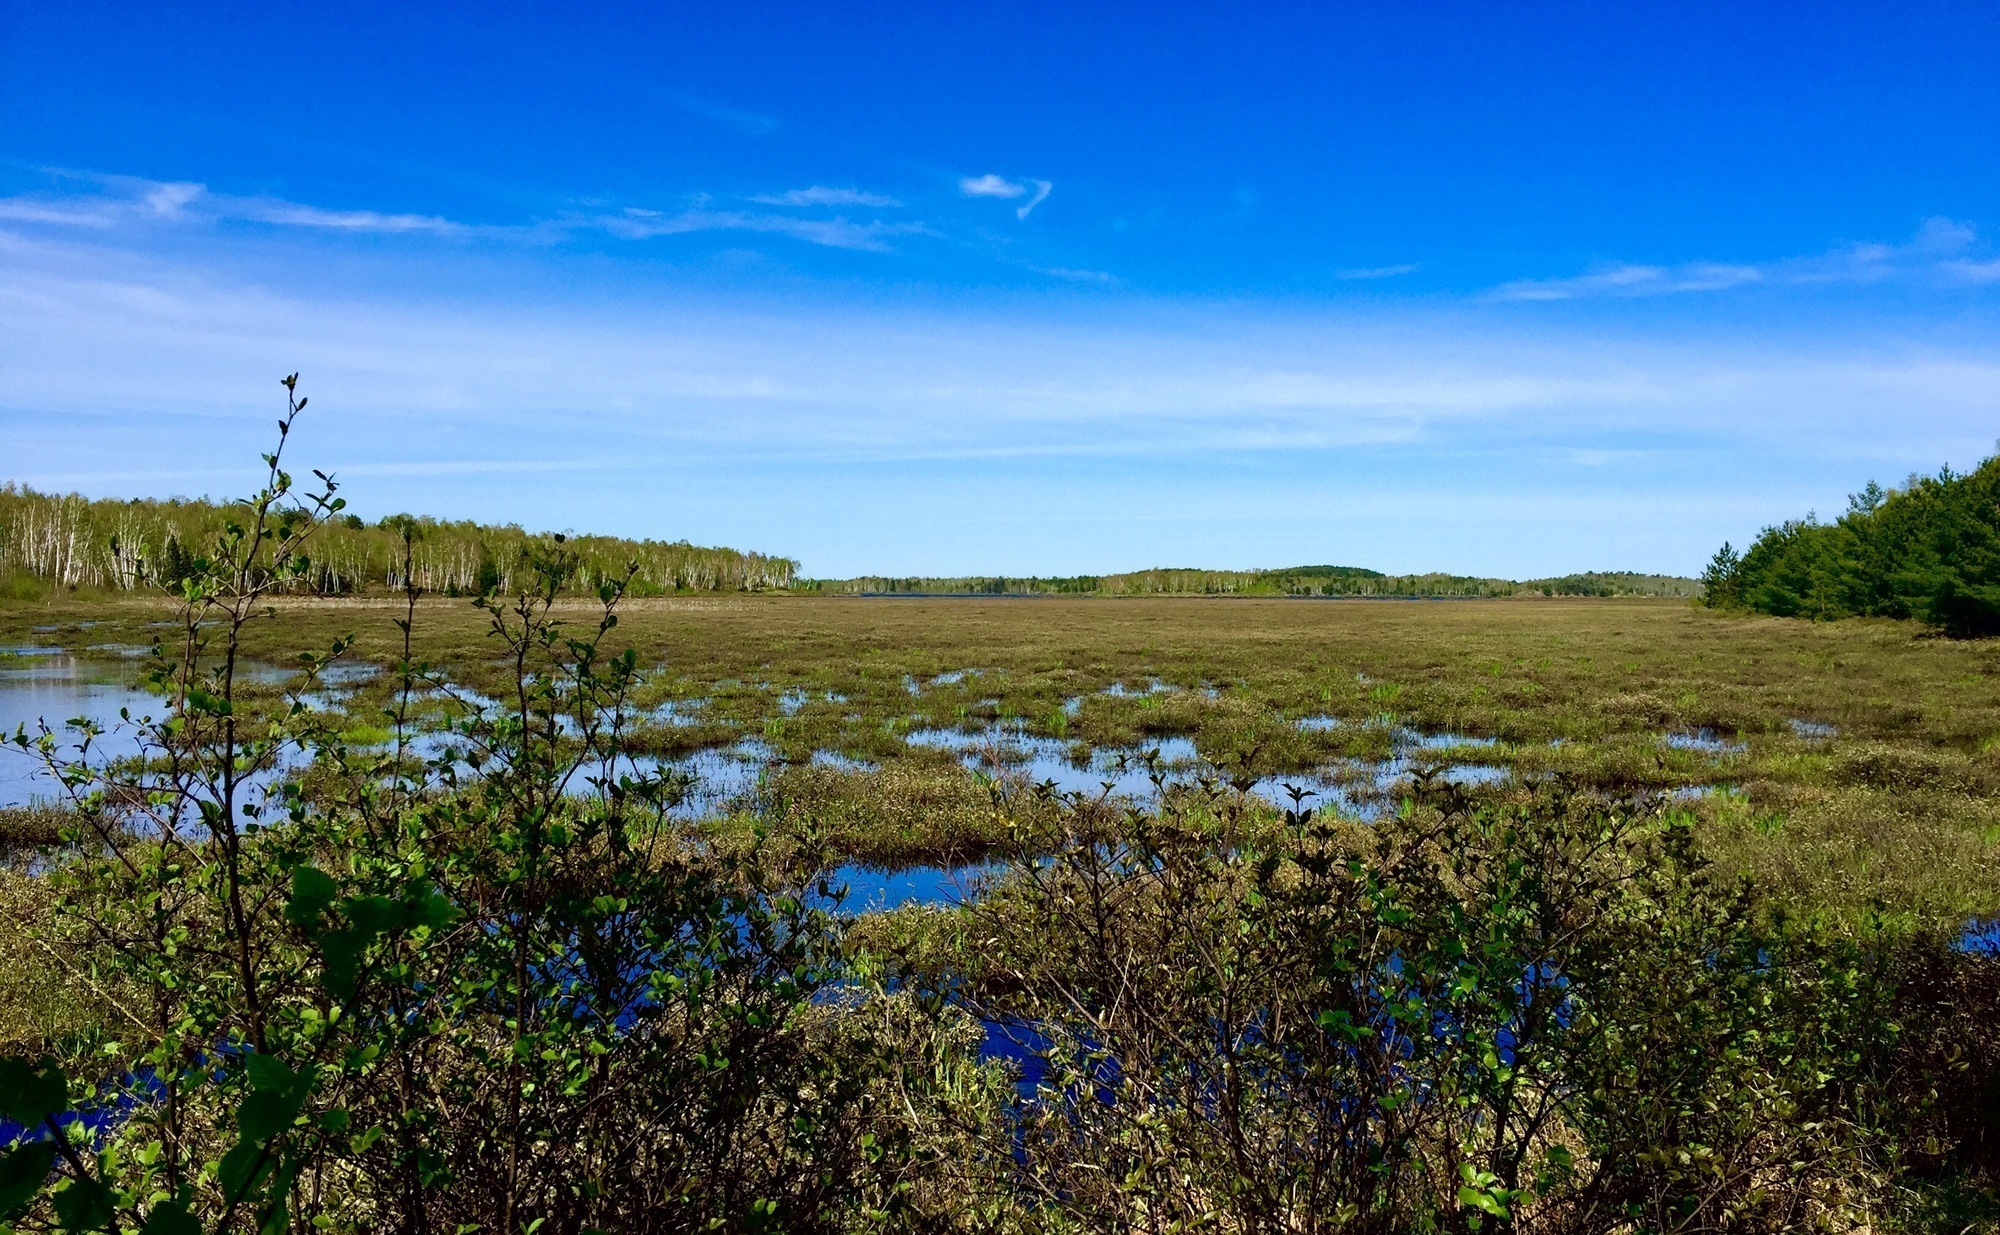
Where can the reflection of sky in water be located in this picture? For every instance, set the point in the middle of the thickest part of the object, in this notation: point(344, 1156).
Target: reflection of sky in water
point(1693, 793)
point(844, 762)
point(1813, 730)
point(38, 685)
point(1012, 752)
point(1410, 739)
point(46, 682)
point(1707, 741)
point(870, 889)
point(1352, 787)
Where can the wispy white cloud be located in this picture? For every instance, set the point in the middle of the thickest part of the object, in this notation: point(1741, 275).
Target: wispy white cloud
point(96, 213)
point(126, 200)
point(821, 195)
point(692, 408)
point(1625, 280)
point(173, 197)
point(1074, 275)
point(638, 224)
point(1042, 188)
point(1377, 272)
point(293, 214)
point(1937, 250)
point(1975, 272)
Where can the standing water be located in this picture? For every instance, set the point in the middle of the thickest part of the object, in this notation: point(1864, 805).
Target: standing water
point(49, 685)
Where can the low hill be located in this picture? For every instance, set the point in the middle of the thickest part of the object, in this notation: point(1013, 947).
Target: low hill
point(1289, 581)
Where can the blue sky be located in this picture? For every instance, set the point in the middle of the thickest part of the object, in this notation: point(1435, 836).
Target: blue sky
point(1509, 289)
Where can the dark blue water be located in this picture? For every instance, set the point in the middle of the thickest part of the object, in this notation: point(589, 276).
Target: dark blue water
point(871, 888)
point(1981, 937)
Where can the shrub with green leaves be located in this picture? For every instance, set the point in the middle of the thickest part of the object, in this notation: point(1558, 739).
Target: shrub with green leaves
point(490, 986)
point(1548, 1016)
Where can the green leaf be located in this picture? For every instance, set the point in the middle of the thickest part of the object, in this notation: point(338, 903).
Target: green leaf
point(30, 1093)
point(274, 1222)
point(342, 949)
point(1482, 1200)
point(374, 915)
point(264, 1114)
point(269, 1073)
point(1339, 1024)
point(170, 1218)
point(84, 1206)
point(243, 1168)
point(23, 1171)
point(313, 891)
point(432, 910)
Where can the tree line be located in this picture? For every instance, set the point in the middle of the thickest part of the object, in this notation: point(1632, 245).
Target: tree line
point(68, 541)
point(1296, 581)
point(1929, 551)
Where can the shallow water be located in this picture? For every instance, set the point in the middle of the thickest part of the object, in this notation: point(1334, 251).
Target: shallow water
point(38, 684)
point(1705, 740)
point(1689, 793)
point(1323, 791)
point(1813, 730)
point(1361, 789)
point(870, 889)
point(1039, 760)
point(677, 713)
point(1411, 739)
point(1981, 937)
point(837, 759)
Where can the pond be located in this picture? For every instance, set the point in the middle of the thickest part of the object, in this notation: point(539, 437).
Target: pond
point(38, 683)
point(870, 889)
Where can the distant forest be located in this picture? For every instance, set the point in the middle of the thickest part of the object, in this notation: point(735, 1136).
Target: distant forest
point(1289, 581)
point(1929, 551)
point(72, 542)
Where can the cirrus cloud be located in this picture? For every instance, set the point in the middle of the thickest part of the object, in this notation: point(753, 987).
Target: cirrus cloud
point(821, 195)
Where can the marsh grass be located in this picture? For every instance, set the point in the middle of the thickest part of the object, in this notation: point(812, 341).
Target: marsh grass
point(1897, 808)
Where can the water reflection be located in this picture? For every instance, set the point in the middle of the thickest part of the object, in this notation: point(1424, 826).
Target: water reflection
point(871, 889)
point(1705, 740)
point(38, 684)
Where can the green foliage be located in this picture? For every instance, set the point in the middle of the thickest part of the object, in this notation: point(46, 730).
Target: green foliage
point(73, 542)
point(1929, 551)
point(1551, 1016)
point(495, 990)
